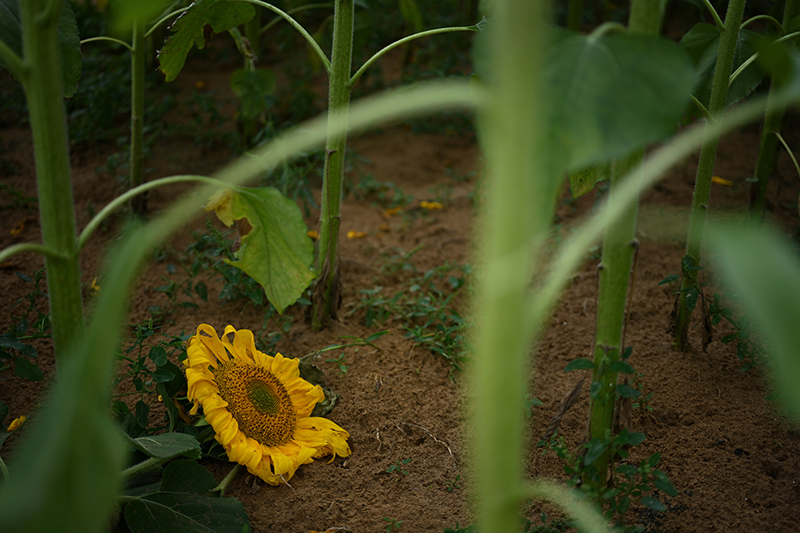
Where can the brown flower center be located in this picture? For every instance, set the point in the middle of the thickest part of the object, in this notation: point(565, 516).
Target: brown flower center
point(258, 401)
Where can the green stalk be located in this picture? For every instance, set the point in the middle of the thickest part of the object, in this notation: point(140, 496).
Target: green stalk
point(705, 167)
point(768, 149)
point(517, 217)
point(328, 285)
point(252, 31)
point(48, 124)
point(138, 53)
point(574, 15)
point(614, 272)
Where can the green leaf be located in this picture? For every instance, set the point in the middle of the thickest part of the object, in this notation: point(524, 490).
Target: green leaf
point(26, 369)
point(579, 364)
point(252, 88)
point(663, 484)
point(764, 270)
point(604, 101)
point(670, 279)
point(68, 40)
point(627, 470)
point(621, 367)
point(701, 42)
point(583, 180)
point(182, 505)
point(691, 298)
point(161, 375)
point(167, 445)
point(653, 503)
point(627, 391)
point(594, 449)
point(158, 355)
point(275, 250)
point(221, 15)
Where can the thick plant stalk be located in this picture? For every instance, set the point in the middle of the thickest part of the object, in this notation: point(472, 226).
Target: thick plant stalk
point(705, 168)
point(619, 246)
point(328, 285)
point(518, 213)
point(48, 124)
point(138, 53)
point(768, 149)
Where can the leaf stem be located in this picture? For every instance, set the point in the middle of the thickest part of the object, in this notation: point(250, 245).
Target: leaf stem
point(607, 27)
point(274, 21)
point(122, 199)
point(105, 38)
point(296, 25)
point(714, 14)
point(771, 20)
point(145, 467)
point(18, 67)
point(22, 248)
point(223, 485)
point(401, 42)
point(163, 19)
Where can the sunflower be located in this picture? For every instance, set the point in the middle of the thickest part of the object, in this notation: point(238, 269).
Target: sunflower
point(258, 405)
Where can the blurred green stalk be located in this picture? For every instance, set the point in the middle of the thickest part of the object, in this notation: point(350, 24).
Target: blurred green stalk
point(705, 169)
point(517, 218)
point(768, 149)
point(44, 92)
point(614, 272)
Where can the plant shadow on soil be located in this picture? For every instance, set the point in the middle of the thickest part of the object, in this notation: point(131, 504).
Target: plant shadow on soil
point(733, 458)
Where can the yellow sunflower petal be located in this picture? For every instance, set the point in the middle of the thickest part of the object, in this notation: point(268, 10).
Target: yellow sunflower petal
point(284, 368)
point(211, 341)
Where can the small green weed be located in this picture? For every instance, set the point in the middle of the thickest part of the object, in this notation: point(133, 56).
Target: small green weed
point(15, 347)
point(17, 199)
point(341, 364)
point(383, 193)
point(399, 467)
point(393, 525)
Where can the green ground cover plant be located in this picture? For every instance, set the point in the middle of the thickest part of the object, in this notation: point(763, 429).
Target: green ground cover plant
point(72, 468)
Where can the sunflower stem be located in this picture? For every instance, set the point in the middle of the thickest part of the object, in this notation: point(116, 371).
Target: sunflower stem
point(145, 467)
point(227, 480)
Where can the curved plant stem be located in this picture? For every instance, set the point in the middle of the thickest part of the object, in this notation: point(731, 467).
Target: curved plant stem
point(122, 199)
point(771, 20)
point(401, 42)
point(104, 38)
point(145, 467)
point(607, 27)
point(700, 106)
point(31, 247)
point(13, 62)
point(788, 151)
point(162, 20)
point(45, 97)
point(705, 169)
point(296, 25)
point(714, 14)
point(274, 21)
point(568, 500)
point(223, 485)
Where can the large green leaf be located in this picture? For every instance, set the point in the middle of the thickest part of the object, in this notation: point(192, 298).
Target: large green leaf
point(167, 445)
point(221, 15)
point(68, 39)
point(182, 504)
point(604, 100)
point(763, 269)
point(276, 250)
point(701, 42)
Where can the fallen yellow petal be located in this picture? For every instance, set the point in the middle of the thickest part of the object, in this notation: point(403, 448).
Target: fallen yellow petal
point(356, 234)
point(313, 234)
point(430, 205)
point(94, 287)
point(17, 422)
point(721, 181)
point(391, 212)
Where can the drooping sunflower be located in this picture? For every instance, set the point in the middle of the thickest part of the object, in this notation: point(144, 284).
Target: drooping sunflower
point(258, 405)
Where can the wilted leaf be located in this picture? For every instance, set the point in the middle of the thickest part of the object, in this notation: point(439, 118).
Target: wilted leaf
point(167, 445)
point(275, 250)
point(566, 402)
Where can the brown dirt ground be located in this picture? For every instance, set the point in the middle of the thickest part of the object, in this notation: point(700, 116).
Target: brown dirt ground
point(731, 455)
